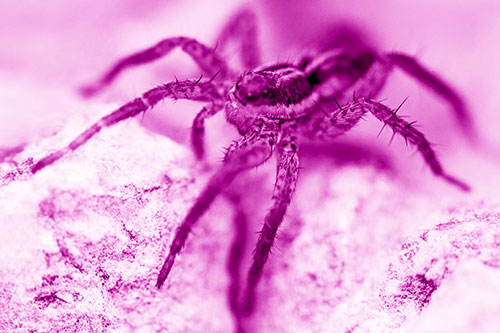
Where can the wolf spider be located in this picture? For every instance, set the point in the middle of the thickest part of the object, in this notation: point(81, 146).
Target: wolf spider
point(319, 97)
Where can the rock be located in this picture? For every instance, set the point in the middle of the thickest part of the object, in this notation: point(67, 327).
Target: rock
point(359, 250)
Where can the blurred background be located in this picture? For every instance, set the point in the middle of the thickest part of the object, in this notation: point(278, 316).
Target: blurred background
point(51, 48)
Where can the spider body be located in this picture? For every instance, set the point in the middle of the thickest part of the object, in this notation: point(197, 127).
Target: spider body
point(322, 95)
point(286, 91)
point(266, 93)
point(267, 90)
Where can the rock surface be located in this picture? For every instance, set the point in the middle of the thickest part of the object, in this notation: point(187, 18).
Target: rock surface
point(82, 242)
point(368, 245)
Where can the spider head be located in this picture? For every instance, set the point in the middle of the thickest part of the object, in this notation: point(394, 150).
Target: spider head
point(255, 88)
point(270, 92)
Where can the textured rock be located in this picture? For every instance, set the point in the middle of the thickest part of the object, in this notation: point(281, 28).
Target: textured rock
point(367, 245)
point(83, 240)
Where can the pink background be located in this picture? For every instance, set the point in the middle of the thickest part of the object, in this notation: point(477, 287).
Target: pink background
point(49, 49)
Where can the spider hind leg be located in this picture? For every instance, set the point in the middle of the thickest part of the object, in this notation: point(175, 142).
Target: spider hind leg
point(210, 62)
point(242, 28)
point(412, 67)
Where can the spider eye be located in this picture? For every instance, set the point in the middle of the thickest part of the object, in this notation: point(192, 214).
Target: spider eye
point(252, 97)
point(254, 88)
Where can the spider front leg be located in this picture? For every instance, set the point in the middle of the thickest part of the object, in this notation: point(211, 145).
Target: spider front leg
point(198, 128)
point(411, 135)
point(286, 178)
point(189, 89)
point(251, 151)
point(209, 61)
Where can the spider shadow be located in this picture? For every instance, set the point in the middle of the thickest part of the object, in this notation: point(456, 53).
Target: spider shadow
point(345, 152)
point(320, 157)
point(245, 203)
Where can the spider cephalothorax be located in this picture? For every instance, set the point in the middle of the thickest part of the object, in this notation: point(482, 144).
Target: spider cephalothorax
point(320, 96)
point(268, 93)
point(270, 88)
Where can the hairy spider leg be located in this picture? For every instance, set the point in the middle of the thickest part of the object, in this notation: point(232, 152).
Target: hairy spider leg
point(286, 178)
point(210, 62)
point(233, 264)
point(372, 82)
point(327, 124)
point(250, 151)
point(412, 67)
point(198, 128)
point(188, 89)
point(411, 135)
point(242, 27)
point(339, 88)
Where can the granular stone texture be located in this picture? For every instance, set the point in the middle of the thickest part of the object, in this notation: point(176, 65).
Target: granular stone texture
point(83, 240)
point(359, 251)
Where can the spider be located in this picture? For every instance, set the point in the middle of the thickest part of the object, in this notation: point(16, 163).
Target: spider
point(273, 107)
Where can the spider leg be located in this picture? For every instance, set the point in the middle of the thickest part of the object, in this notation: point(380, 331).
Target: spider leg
point(189, 89)
point(334, 121)
point(238, 245)
point(286, 178)
point(372, 82)
point(198, 128)
point(251, 151)
point(412, 67)
point(209, 61)
point(242, 27)
point(411, 135)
